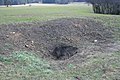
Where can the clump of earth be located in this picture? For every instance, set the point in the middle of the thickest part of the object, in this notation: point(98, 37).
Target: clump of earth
point(82, 36)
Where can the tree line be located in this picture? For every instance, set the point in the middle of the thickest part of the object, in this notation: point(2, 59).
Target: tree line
point(106, 6)
point(62, 1)
point(16, 2)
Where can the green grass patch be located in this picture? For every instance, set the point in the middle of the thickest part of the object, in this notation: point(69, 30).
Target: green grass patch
point(22, 65)
point(99, 67)
point(40, 13)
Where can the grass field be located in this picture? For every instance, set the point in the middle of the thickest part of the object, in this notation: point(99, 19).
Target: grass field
point(23, 66)
point(40, 13)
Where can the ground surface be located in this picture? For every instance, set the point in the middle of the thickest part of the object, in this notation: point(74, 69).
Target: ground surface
point(26, 43)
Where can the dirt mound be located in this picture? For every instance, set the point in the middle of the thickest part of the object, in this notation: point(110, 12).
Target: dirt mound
point(42, 38)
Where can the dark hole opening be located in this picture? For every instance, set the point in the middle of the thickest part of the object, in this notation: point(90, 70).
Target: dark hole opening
point(64, 52)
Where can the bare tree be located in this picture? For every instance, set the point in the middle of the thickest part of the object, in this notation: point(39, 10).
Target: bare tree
point(7, 2)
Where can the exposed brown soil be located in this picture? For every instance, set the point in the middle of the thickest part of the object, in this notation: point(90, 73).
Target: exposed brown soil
point(87, 35)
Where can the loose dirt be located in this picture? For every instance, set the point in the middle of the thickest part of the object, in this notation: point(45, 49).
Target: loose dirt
point(87, 35)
